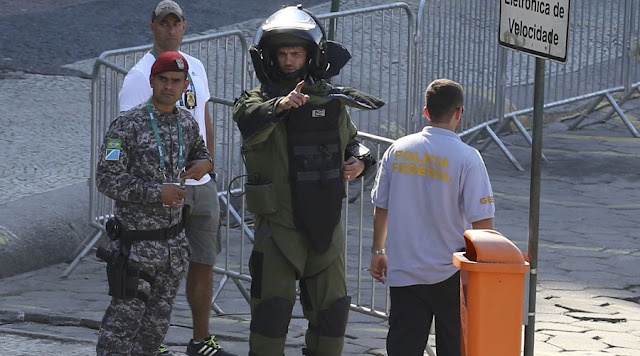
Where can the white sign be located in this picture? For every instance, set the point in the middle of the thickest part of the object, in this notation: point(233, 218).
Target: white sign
point(537, 27)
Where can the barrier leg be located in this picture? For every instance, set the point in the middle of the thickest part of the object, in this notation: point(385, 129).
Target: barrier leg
point(431, 332)
point(584, 114)
point(82, 253)
point(504, 149)
point(525, 134)
point(623, 117)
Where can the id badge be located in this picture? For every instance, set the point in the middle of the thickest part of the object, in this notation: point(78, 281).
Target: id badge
point(190, 99)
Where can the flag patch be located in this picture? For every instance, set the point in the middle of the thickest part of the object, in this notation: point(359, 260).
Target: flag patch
point(114, 143)
point(112, 155)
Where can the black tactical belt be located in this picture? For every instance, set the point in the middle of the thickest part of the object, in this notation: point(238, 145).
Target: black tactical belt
point(152, 235)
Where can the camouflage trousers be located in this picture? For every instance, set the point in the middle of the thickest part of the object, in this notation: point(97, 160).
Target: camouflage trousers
point(133, 327)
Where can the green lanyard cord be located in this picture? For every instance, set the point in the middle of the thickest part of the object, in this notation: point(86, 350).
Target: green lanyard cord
point(156, 133)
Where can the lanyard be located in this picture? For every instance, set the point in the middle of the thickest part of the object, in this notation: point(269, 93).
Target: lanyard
point(154, 125)
point(192, 87)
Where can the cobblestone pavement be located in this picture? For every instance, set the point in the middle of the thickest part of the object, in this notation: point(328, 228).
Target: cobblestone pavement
point(39, 345)
point(45, 139)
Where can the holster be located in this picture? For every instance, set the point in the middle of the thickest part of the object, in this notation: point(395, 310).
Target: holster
point(123, 275)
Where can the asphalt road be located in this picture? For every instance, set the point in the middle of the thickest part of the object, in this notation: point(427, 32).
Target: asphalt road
point(39, 36)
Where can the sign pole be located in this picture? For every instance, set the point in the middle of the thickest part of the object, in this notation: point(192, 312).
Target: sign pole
point(534, 202)
point(541, 29)
point(335, 7)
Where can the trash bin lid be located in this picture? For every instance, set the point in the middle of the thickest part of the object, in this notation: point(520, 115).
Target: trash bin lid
point(490, 246)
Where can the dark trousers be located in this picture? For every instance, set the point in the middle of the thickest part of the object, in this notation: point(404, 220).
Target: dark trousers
point(413, 308)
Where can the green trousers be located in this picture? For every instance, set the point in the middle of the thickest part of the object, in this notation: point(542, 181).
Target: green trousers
point(323, 297)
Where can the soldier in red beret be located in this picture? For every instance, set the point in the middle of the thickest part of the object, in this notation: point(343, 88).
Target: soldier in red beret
point(168, 25)
point(143, 165)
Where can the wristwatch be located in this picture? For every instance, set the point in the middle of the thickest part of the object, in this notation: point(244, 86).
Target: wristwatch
point(375, 251)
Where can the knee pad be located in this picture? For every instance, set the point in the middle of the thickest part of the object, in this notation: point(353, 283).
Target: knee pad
point(332, 322)
point(271, 317)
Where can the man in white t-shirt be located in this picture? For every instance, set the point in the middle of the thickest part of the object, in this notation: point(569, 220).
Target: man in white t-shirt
point(430, 188)
point(202, 226)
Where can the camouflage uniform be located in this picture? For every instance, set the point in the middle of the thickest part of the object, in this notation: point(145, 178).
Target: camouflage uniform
point(134, 181)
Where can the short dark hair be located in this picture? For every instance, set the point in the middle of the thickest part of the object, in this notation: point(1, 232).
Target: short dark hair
point(442, 98)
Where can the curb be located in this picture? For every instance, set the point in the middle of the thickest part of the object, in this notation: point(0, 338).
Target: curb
point(13, 316)
point(44, 229)
point(37, 335)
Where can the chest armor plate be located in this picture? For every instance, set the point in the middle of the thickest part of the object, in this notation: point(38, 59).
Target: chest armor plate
point(315, 168)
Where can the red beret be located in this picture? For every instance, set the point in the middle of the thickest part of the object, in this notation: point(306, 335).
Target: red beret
point(169, 62)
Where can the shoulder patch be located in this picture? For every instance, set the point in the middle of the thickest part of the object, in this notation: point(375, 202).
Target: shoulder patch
point(114, 143)
point(112, 155)
point(113, 147)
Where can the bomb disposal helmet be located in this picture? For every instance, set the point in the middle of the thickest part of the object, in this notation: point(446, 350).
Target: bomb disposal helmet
point(288, 27)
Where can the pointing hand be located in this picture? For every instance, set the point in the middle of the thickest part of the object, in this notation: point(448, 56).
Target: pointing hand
point(294, 99)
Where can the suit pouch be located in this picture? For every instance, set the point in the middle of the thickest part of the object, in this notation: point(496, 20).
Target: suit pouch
point(261, 198)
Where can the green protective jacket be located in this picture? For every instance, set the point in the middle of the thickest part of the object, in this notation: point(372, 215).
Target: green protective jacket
point(268, 192)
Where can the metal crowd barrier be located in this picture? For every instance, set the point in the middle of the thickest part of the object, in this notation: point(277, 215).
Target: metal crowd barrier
point(224, 58)
point(620, 37)
point(457, 39)
point(379, 39)
point(599, 64)
point(358, 222)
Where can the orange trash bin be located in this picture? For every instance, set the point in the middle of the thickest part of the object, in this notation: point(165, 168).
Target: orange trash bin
point(492, 271)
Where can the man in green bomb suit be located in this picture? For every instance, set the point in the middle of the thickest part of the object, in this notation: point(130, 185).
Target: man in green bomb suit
point(299, 148)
